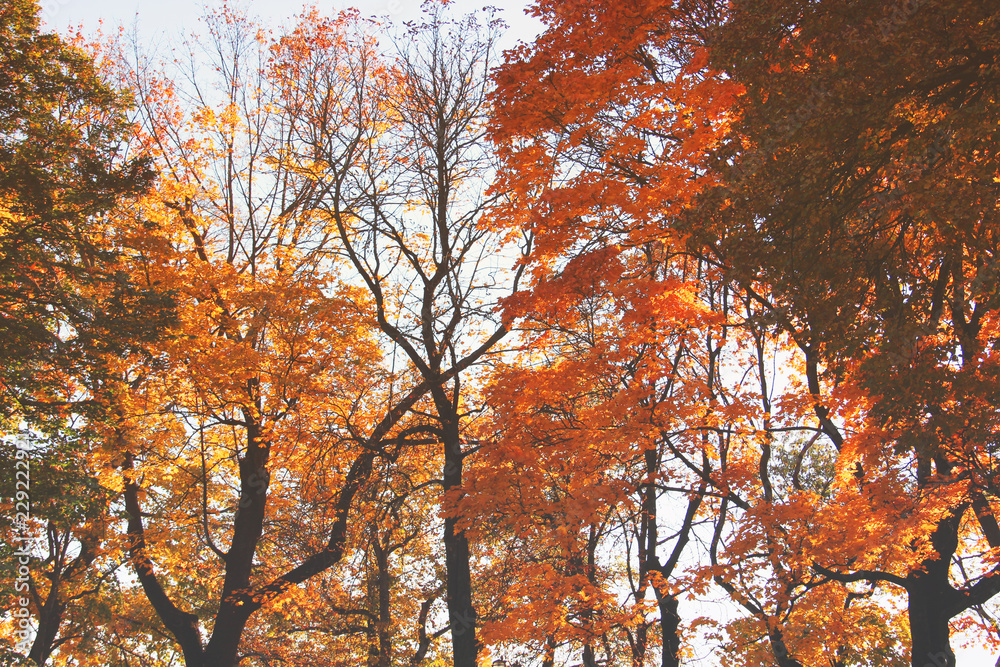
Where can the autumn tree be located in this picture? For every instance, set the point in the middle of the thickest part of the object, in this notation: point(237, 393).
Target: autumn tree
point(601, 433)
point(763, 528)
point(691, 298)
point(243, 448)
point(407, 204)
point(65, 304)
point(274, 412)
point(862, 181)
point(64, 165)
point(605, 124)
point(614, 132)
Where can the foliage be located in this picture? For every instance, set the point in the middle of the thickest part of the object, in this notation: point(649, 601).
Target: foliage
point(65, 303)
point(688, 306)
point(67, 308)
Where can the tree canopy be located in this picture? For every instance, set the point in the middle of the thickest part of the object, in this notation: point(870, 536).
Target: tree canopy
point(667, 338)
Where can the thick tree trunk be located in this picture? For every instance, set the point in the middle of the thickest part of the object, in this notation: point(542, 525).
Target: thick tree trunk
point(223, 648)
point(929, 620)
point(49, 619)
point(235, 606)
point(234, 611)
point(670, 622)
point(461, 612)
point(932, 601)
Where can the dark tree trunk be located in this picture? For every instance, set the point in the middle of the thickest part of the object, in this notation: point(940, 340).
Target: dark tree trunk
point(461, 612)
point(49, 619)
point(932, 601)
point(234, 611)
point(371, 604)
point(670, 622)
point(52, 611)
point(384, 608)
point(929, 621)
point(779, 649)
point(649, 560)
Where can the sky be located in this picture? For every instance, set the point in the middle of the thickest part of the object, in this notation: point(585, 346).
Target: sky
point(157, 20)
point(161, 21)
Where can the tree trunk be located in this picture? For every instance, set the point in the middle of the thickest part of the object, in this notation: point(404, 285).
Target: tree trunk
point(639, 645)
point(223, 648)
point(384, 608)
point(670, 622)
point(929, 617)
point(932, 601)
point(49, 619)
point(371, 604)
point(780, 651)
point(461, 612)
point(248, 525)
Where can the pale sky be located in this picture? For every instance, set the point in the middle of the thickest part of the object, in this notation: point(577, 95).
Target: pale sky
point(164, 21)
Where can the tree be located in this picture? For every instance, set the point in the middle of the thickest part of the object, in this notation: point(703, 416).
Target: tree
point(65, 303)
point(605, 124)
point(64, 165)
point(846, 227)
point(276, 414)
point(243, 450)
point(645, 323)
point(830, 223)
point(408, 204)
point(599, 440)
